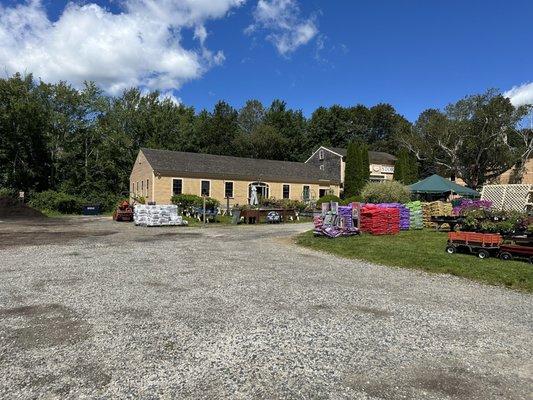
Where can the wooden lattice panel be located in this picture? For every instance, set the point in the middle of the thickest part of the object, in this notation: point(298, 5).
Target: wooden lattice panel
point(507, 197)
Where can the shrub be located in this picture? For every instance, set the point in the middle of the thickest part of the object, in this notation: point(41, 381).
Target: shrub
point(326, 199)
point(352, 199)
point(210, 203)
point(386, 192)
point(106, 201)
point(188, 201)
point(8, 192)
point(270, 202)
point(293, 204)
point(57, 201)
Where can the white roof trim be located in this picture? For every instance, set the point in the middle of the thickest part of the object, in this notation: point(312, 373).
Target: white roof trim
point(324, 148)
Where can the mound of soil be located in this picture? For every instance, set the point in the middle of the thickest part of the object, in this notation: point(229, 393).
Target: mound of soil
point(12, 209)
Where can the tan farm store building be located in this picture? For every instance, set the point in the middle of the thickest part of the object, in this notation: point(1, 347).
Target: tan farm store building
point(157, 175)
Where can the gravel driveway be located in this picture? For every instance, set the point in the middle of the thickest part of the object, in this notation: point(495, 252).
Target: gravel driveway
point(96, 309)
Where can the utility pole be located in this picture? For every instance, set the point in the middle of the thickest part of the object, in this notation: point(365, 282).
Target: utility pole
point(205, 220)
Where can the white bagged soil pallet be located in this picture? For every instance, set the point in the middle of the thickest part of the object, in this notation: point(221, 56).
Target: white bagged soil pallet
point(164, 215)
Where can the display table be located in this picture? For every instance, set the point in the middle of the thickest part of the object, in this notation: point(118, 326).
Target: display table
point(451, 221)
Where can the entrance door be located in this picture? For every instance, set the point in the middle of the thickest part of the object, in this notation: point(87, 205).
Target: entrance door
point(261, 188)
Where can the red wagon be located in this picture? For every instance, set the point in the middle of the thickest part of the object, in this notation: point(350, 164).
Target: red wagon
point(511, 251)
point(482, 244)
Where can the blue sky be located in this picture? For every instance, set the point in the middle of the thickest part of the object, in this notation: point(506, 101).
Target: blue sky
point(412, 54)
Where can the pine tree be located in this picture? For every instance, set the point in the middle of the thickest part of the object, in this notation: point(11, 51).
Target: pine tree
point(351, 171)
point(413, 170)
point(400, 166)
point(406, 168)
point(365, 164)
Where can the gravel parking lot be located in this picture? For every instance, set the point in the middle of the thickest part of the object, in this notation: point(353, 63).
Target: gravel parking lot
point(96, 309)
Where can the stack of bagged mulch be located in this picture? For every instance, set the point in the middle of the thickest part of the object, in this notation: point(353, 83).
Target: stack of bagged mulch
point(393, 221)
point(345, 215)
point(404, 215)
point(374, 219)
point(435, 209)
point(335, 221)
point(415, 215)
point(158, 215)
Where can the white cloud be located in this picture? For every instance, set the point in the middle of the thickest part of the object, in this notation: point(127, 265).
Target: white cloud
point(169, 95)
point(139, 47)
point(288, 30)
point(520, 95)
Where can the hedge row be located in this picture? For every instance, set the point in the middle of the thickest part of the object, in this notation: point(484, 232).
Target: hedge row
point(65, 203)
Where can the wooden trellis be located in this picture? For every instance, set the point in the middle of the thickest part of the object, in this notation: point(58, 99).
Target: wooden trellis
point(508, 197)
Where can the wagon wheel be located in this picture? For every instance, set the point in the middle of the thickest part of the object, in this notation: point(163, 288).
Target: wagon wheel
point(506, 256)
point(451, 249)
point(483, 254)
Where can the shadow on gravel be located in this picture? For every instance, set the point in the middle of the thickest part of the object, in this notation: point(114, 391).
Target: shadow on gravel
point(83, 374)
point(169, 236)
point(44, 284)
point(34, 238)
point(429, 382)
point(43, 325)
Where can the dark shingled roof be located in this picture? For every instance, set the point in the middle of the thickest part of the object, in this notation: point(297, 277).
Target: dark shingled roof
point(375, 157)
point(177, 163)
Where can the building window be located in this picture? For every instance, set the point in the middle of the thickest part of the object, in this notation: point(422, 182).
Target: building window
point(137, 191)
point(228, 189)
point(286, 191)
point(177, 186)
point(142, 188)
point(206, 186)
point(147, 186)
point(321, 154)
point(305, 193)
point(322, 192)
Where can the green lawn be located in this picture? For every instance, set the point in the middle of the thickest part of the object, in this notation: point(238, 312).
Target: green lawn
point(424, 250)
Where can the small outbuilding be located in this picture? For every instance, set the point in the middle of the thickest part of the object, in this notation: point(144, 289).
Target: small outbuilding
point(436, 187)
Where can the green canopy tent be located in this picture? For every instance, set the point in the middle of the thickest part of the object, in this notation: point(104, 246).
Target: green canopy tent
point(436, 185)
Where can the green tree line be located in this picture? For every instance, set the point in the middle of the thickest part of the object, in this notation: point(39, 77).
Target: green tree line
point(84, 142)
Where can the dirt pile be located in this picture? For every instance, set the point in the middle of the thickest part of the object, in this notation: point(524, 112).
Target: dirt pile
point(11, 208)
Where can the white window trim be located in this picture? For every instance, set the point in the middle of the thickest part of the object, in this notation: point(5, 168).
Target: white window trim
point(232, 189)
point(321, 154)
point(290, 190)
point(172, 186)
